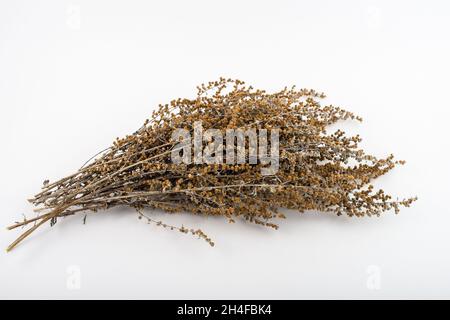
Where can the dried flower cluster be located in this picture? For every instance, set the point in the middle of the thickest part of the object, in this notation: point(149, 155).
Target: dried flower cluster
point(317, 170)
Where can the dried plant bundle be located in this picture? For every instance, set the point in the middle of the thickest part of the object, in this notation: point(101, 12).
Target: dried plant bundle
point(317, 170)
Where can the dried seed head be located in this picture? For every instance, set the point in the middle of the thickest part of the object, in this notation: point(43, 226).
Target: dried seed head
point(317, 170)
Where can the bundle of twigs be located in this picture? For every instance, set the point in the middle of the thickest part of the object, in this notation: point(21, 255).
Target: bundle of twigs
point(317, 170)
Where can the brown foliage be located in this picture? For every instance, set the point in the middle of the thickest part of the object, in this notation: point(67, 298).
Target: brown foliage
point(317, 170)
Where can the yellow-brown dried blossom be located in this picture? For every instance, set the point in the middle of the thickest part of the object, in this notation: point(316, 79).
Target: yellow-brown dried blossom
point(317, 171)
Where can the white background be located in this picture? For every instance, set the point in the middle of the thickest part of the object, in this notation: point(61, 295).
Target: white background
point(74, 75)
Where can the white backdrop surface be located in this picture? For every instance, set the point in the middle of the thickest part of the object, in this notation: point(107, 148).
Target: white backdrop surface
point(76, 74)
